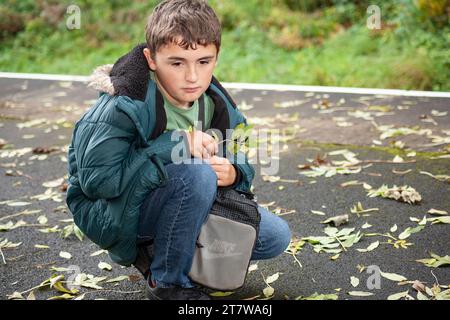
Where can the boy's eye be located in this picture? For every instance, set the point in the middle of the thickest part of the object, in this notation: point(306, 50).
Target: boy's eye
point(176, 64)
point(204, 62)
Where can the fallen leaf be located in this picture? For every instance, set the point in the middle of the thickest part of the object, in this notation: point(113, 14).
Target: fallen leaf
point(403, 193)
point(41, 246)
point(42, 219)
point(366, 226)
point(31, 296)
point(418, 286)
point(351, 183)
point(358, 209)
point(50, 230)
point(289, 104)
point(445, 219)
point(268, 291)
point(440, 177)
point(421, 296)
point(371, 247)
point(60, 269)
point(354, 281)
point(437, 113)
point(96, 253)
point(15, 296)
point(360, 293)
point(392, 276)
point(65, 255)
point(337, 220)
point(105, 266)
point(18, 204)
point(317, 296)
point(320, 213)
point(401, 172)
point(271, 178)
point(253, 267)
point(53, 183)
point(398, 296)
point(409, 231)
point(221, 294)
point(367, 186)
point(437, 212)
point(88, 281)
point(65, 296)
point(118, 279)
point(272, 278)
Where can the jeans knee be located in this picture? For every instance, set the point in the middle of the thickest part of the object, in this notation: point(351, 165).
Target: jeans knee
point(201, 178)
point(282, 238)
point(286, 235)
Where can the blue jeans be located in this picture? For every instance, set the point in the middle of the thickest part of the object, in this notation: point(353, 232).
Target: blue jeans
point(173, 214)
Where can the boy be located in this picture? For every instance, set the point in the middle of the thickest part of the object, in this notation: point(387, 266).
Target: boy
point(125, 190)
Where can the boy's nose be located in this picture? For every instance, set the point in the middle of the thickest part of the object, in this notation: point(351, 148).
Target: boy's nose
point(191, 75)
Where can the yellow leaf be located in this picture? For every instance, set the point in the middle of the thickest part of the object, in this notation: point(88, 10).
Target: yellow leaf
point(268, 291)
point(221, 294)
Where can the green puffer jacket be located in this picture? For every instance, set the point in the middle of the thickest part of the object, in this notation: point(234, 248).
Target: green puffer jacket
point(118, 152)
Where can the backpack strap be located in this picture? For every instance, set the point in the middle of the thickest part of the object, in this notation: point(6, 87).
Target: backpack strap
point(201, 113)
point(160, 115)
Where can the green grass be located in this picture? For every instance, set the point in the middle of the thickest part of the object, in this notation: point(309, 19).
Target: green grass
point(263, 42)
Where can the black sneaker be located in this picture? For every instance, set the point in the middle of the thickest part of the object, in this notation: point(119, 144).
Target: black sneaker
point(175, 293)
point(144, 259)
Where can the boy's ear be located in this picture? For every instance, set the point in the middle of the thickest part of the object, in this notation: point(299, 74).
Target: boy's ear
point(150, 61)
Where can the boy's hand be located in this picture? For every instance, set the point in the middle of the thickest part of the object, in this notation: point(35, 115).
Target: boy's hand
point(202, 145)
point(226, 173)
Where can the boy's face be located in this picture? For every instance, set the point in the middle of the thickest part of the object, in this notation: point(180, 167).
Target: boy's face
point(183, 75)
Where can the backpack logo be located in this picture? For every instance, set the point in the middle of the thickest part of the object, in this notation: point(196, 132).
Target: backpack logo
point(220, 249)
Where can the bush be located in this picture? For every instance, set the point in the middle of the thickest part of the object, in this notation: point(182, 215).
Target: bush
point(305, 5)
point(11, 23)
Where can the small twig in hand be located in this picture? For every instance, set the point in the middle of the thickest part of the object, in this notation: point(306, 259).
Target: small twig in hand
point(223, 141)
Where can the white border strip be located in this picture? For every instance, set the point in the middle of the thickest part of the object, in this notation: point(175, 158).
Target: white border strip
point(42, 76)
point(280, 87)
point(252, 86)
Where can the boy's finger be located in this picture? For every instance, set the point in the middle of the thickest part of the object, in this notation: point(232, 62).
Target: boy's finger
point(205, 154)
point(210, 149)
point(218, 167)
point(220, 179)
point(220, 160)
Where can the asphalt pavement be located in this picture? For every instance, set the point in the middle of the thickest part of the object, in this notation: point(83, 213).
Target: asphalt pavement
point(36, 122)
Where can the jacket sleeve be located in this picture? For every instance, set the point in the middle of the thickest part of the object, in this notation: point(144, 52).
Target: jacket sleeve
point(169, 147)
point(107, 157)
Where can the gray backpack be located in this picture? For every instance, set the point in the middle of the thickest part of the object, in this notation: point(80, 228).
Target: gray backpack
point(226, 241)
point(224, 246)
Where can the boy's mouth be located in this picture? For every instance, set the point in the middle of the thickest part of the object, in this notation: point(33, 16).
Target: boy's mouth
point(191, 90)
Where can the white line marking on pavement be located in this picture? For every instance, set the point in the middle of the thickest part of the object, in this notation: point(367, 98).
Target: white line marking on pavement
point(252, 86)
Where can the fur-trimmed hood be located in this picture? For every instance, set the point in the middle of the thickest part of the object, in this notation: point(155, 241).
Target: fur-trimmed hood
point(128, 76)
